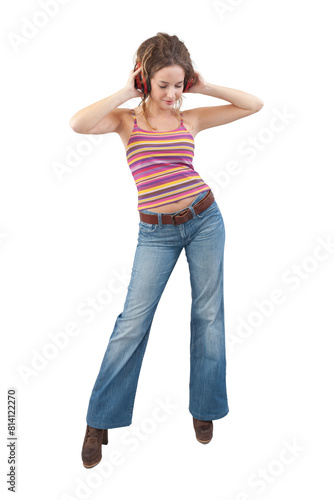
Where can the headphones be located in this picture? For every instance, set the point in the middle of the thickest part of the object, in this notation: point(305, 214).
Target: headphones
point(144, 85)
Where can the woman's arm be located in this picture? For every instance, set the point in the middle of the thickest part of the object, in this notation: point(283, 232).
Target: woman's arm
point(236, 97)
point(242, 104)
point(102, 117)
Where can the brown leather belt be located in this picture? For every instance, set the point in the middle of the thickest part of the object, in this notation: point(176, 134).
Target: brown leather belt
point(182, 216)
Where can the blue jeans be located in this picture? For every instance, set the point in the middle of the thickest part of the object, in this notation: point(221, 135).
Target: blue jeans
point(159, 246)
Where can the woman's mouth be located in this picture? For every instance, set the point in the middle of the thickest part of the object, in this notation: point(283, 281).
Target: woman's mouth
point(169, 102)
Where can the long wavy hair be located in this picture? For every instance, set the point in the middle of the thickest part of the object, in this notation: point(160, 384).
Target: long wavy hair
point(157, 52)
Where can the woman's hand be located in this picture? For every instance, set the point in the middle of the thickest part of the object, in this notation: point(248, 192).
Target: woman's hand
point(199, 86)
point(130, 88)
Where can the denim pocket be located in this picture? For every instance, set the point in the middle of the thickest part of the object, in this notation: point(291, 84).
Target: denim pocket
point(146, 227)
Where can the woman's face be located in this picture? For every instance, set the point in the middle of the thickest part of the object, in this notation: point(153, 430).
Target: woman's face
point(167, 85)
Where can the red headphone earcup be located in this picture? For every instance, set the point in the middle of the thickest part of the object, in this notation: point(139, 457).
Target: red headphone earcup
point(142, 84)
point(136, 82)
point(189, 84)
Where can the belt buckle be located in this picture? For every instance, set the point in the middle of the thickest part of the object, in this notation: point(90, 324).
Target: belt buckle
point(185, 210)
point(172, 217)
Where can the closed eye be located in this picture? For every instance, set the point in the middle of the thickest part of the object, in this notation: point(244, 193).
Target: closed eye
point(177, 86)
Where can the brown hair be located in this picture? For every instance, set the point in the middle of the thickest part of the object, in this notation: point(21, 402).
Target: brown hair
point(157, 52)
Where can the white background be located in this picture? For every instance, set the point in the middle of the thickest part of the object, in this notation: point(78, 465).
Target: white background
point(64, 238)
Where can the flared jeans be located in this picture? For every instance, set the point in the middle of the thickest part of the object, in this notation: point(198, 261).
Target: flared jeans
point(159, 246)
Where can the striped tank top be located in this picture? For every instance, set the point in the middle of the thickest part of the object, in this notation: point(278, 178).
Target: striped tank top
point(161, 165)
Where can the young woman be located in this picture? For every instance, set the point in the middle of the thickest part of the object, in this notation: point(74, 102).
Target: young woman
point(177, 210)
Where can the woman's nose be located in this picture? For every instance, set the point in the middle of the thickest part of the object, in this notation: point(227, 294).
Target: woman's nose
point(171, 93)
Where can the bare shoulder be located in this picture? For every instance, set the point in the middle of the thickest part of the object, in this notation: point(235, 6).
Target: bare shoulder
point(123, 113)
point(213, 116)
point(190, 116)
point(125, 119)
point(126, 123)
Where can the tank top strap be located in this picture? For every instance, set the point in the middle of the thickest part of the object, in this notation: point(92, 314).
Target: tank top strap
point(134, 117)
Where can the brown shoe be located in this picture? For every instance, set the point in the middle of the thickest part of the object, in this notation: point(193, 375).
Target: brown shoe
point(91, 448)
point(203, 429)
